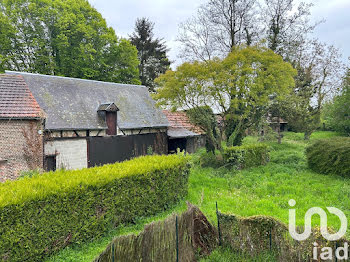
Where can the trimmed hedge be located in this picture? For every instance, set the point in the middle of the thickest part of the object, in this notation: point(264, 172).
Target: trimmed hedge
point(43, 214)
point(330, 156)
point(247, 155)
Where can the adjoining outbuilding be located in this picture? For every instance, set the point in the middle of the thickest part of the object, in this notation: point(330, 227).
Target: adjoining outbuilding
point(182, 134)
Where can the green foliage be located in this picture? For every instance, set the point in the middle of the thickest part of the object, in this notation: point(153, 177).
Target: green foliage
point(210, 159)
point(337, 113)
point(238, 86)
point(228, 255)
point(29, 173)
point(149, 150)
point(204, 118)
point(330, 156)
point(67, 38)
point(264, 190)
point(152, 53)
point(45, 213)
point(247, 156)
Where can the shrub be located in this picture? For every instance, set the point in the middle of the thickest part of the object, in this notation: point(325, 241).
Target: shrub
point(246, 156)
point(209, 159)
point(30, 173)
point(330, 156)
point(42, 214)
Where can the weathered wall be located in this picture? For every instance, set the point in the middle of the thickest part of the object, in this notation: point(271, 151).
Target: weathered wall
point(70, 153)
point(20, 147)
point(194, 143)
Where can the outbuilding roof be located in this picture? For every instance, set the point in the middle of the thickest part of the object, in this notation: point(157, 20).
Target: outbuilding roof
point(72, 104)
point(16, 100)
point(180, 125)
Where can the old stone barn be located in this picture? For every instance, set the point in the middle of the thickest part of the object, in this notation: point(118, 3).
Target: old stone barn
point(53, 122)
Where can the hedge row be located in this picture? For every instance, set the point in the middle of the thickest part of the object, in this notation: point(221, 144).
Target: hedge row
point(247, 155)
point(330, 156)
point(43, 214)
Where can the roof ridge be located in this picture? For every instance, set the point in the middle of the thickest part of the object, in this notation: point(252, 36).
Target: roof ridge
point(9, 72)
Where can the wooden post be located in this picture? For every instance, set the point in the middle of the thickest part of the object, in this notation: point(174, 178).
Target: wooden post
point(219, 231)
point(177, 239)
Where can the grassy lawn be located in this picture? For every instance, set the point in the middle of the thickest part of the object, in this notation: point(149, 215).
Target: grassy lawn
point(264, 190)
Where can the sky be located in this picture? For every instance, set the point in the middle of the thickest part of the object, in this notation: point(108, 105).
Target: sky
point(168, 14)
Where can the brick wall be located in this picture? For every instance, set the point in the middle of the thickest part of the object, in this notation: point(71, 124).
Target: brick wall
point(20, 147)
point(70, 153)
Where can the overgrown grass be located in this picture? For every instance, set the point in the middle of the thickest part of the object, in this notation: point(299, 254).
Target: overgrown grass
point(263, 190)
point(227, 255)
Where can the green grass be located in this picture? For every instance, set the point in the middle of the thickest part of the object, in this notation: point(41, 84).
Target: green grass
point(227, 255)
point(264, 190)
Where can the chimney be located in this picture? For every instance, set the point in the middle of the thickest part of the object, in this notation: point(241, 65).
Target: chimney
point(109, 111)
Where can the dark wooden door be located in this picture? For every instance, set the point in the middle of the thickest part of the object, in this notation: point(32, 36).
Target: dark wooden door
point(50, 163)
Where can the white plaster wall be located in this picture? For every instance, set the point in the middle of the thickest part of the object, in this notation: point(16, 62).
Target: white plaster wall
point(70, 153)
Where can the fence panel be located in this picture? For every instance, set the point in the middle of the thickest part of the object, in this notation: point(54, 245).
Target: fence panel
point(111, 149)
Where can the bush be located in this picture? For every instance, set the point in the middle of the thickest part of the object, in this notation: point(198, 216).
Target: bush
point(330, 156)
point(246, 156)
point(209, 159)
point(43, 214)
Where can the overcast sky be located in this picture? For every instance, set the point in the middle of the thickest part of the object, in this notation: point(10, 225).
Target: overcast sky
point(167, 14)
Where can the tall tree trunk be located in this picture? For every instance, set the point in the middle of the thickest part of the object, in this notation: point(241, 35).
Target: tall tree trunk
point(307, 135)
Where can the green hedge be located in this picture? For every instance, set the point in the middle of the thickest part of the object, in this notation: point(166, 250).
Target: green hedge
point(42, 214)
point(247, 155)
point(330, 156)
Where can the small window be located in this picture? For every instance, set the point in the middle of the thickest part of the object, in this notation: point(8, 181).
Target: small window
point(50, 163)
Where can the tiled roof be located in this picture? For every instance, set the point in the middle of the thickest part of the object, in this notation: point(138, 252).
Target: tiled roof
point(181, 121)
point(73, 104)
point(16, 101)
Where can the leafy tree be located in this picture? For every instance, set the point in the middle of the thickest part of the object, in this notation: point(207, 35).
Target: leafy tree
point(237, 86)
point(204, 117)
point(151, 52)
point(317, 80)
point(68, 38)
point(338, 112)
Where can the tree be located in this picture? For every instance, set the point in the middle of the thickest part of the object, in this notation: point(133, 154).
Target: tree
point(151, 52)
point(319, 68)
point(287, 25)
point(338, 112)
point(203, 116)
point(219, 26)
point(238, 87)
point(68, 38)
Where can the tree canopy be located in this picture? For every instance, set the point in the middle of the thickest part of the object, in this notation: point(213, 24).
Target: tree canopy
point(337, 113)
point(68, 38)
point(152, 52)
point(237, 87)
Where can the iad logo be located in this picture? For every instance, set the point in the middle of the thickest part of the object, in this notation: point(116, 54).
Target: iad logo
point(326, 252)
point(323, 227)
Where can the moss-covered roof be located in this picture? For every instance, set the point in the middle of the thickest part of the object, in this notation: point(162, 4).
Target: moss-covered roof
point(71, 103)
